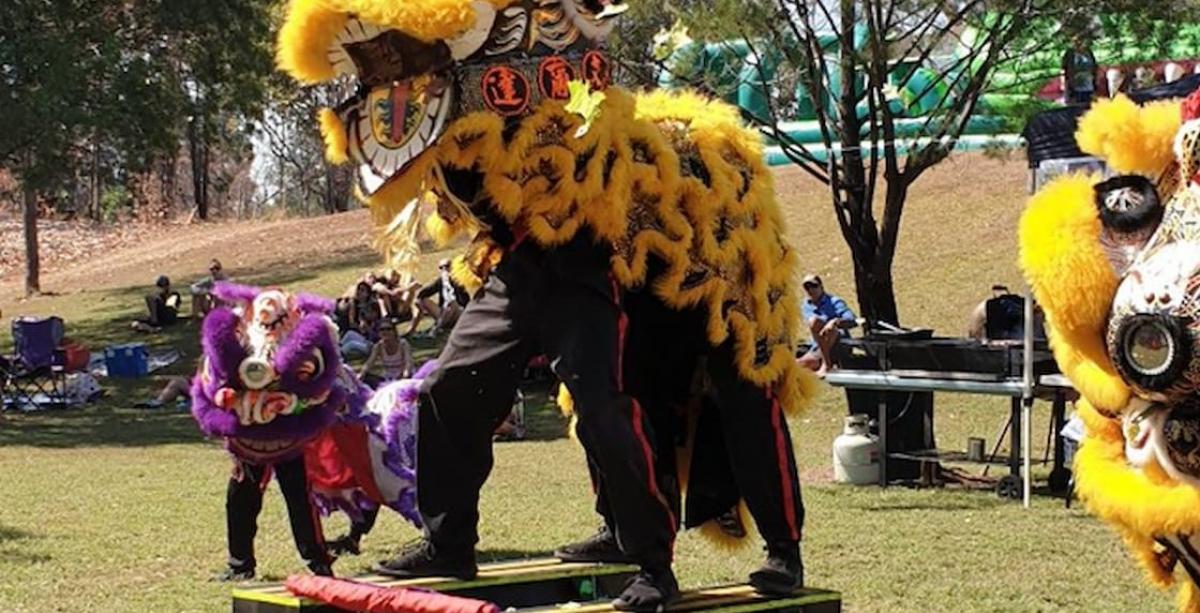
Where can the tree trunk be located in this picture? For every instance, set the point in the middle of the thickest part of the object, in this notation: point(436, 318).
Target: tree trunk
point(199, 155)
point(875, 290)
point(33, 284)
point(94, 192)
point(338, 182)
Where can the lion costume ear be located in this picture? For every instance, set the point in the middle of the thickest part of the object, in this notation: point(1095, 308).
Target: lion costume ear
point(1065, 263)
point(1131, 139)
point(234, 294)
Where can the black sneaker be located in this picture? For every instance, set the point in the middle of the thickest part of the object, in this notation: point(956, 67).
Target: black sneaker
point(344, 545)
point(648, 592)
point(321, 570)
point(730, 522)
point(231, 575)
point(782, 573)
point(600, 547)
point(423, 559)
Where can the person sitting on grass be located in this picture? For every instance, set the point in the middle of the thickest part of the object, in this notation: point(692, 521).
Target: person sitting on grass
point(361, 300)
point(202, 299)
point(163, 306)
point(451, 299)
point(395, 297)
point(358, 341)
point(513, 426)
point(178, 390)
point(392, 354)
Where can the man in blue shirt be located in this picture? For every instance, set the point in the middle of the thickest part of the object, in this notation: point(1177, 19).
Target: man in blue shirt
point(829, 318)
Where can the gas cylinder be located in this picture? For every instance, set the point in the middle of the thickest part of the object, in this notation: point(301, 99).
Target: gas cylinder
point(856, 453)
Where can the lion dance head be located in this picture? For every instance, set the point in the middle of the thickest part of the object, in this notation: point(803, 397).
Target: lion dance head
point(418, 66)
point(268, 381)
point(1116, 264)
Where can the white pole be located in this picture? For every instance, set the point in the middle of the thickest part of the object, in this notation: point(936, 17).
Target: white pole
point(1027, 396)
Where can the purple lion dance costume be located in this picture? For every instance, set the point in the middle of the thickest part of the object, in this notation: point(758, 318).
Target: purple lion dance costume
point(272, 386)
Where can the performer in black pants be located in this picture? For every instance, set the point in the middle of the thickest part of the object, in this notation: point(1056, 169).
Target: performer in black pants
point(243, 502)
point(564, 303)
point(741, 447)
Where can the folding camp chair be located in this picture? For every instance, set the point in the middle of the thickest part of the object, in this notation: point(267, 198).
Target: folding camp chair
point(34, 376)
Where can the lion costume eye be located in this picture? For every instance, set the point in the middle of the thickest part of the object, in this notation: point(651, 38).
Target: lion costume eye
point(311, 368)
point(1152, 350)
point(1149, 347)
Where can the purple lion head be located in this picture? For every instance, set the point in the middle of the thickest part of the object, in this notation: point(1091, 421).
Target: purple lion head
point(268, 380)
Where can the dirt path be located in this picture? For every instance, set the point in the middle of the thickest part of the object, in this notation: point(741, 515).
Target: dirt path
point(186, 249)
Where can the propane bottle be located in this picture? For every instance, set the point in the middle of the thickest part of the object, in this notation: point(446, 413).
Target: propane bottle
point(856, 453)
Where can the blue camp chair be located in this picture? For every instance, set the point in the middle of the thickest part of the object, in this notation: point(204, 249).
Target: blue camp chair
point(34, 375)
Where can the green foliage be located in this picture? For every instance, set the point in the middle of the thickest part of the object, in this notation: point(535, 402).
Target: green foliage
point(124, 75)
point(114, 200)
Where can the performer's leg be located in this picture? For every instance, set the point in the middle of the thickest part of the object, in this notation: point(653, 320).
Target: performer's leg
point(243, 502)
point(658, 363)
point(602, 545)
point(359, 529)
point(306, 526)
point(584, 337)
point(461, 404)
point(760, 453)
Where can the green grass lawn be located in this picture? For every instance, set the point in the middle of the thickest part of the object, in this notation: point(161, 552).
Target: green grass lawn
point(114, 509)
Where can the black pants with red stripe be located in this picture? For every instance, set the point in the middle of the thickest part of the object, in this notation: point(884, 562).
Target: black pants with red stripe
point(742, 446)
point(563, 303)
point(757, 447)
point(243, 503)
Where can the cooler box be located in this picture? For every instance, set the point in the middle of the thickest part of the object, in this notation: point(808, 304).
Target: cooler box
point(127, 361)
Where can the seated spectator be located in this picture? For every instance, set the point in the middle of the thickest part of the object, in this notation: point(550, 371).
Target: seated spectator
point(177, 390)
point(829, 319)
point(513, 426)
point(396, 298)
point(163, 306)
point(361, 298)
point(341, 315)
point(451, 299)
point(357, 341)
point(202, 299)
point(392, 354)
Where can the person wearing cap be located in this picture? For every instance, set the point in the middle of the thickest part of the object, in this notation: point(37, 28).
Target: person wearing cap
point(829, 318)
point(163, 307)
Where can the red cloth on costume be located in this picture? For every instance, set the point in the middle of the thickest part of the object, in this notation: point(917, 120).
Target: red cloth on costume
point(339, 459)
point(353, 596)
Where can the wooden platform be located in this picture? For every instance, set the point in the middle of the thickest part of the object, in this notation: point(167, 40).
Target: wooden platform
point(729, 599)
point(525, 583)
point(550, 586)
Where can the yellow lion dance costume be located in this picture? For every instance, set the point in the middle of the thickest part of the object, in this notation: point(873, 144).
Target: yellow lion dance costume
point(518, 92)
point(670, 175)
point(1116, 264)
